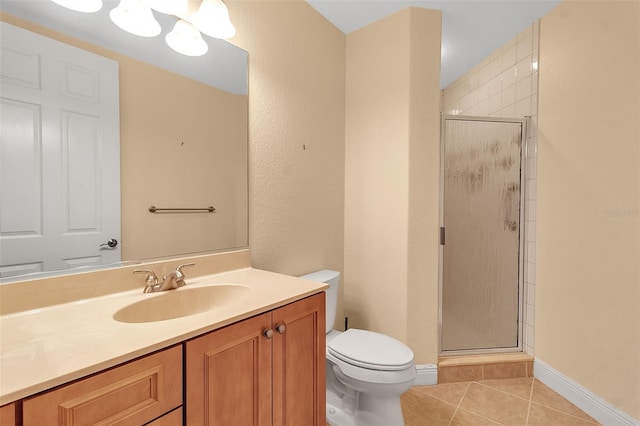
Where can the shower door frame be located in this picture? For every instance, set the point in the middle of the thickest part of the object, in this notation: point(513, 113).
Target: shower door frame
point(522, 234)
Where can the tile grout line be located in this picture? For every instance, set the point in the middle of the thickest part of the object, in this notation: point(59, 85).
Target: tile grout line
point(555, 409)
point(505, 392)
point(526, 423)
point(472, 411)
point(459, 403)
point(563, 412)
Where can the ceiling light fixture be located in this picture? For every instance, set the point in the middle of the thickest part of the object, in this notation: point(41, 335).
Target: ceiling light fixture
point(211, 17)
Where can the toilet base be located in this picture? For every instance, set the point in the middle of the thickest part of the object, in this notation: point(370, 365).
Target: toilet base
point(363, 410)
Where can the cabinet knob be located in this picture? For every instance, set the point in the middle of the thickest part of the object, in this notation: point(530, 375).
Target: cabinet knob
point(281, 328)
point(268, 333)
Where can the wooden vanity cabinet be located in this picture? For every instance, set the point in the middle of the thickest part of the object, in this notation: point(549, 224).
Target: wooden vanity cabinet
point(131, 394)
point(266, 370)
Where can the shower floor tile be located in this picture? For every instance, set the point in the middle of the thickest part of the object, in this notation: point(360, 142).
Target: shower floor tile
point(521, 401)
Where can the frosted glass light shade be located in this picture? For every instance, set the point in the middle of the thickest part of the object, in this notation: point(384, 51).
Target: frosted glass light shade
point(212, 18)
point(135, 17)
point(186, 39)
point(81, 5)
point(168, 7)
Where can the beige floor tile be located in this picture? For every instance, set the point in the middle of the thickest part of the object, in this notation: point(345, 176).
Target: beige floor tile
point(495, 405)
point(423, 410)
point(543, 395)
point(544, 416)
point(451, 393)
point(490, 402)
point(466, 418)
point(520, 387)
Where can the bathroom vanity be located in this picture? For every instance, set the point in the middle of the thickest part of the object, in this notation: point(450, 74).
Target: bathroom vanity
point(254, 358)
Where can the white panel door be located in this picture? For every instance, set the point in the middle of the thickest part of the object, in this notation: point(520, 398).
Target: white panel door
point(59, 155)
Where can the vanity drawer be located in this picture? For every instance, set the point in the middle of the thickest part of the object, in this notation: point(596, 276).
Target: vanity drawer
point(173, 418)
point(133, 393)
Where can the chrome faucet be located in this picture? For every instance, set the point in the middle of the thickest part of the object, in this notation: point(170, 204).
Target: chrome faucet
point(170, 281)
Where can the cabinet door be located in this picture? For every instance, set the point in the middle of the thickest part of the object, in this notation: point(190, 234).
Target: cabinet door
point(131, 394)
point(8, 415)
point(299, 363)
point(228, 375)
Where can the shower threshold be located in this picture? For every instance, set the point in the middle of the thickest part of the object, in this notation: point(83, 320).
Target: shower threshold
point(466, 368)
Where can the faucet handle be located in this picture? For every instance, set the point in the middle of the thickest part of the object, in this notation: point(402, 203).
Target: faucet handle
point(152, 278)
point(179, 275)
point(151, 281)
point(184, 265)
point(179, 268)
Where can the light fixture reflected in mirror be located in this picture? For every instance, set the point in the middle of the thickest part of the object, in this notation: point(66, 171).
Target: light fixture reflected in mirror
point(185, 39)
point(136, 18)
point(86, 6)
point(212, 18)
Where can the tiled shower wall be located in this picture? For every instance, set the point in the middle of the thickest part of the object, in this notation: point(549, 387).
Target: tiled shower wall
point(505, 84)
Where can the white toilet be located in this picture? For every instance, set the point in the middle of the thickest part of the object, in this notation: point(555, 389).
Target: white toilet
point(366, 371)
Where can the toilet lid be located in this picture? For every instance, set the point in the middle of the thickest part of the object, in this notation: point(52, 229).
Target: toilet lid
point(371, 350)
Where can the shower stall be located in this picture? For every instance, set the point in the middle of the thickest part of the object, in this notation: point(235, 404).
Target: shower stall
point(481, 234)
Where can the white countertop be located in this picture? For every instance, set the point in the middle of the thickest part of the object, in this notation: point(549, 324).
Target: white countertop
point(47, 347)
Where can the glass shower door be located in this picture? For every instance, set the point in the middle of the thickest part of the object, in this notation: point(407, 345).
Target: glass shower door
point(481, 237)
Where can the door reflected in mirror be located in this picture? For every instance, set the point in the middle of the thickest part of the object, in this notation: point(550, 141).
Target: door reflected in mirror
point(183, 141)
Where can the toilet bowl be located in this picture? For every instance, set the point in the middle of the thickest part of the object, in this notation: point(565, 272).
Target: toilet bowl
point(366, 371)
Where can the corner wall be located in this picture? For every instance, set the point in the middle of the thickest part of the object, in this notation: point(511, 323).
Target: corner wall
point(588, 239)
point(296, 135)
point(391, 181)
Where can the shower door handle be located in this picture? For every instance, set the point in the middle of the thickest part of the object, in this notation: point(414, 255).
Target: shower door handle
point(442, 235)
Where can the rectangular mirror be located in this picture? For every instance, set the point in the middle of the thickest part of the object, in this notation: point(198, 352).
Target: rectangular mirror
point(183, 125)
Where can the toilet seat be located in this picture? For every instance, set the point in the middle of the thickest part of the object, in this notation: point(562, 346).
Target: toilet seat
point(370, 350)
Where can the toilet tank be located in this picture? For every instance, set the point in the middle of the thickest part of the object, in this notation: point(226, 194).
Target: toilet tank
point(333, 279)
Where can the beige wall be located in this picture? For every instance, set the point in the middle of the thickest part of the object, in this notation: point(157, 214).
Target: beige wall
point(173, 132)
point(391, 182)
point(588, 233)
point(424, 174)
point(296, 135)
point(181, 146)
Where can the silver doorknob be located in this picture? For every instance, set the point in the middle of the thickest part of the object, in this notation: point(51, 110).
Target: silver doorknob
point(268, 333)
point(111, 243)
point(281, 328)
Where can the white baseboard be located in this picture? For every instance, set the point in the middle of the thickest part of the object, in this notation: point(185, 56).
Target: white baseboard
point(426, 375)
point(581, 397)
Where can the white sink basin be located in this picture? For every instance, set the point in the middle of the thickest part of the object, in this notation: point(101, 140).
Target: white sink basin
point(182, 302)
